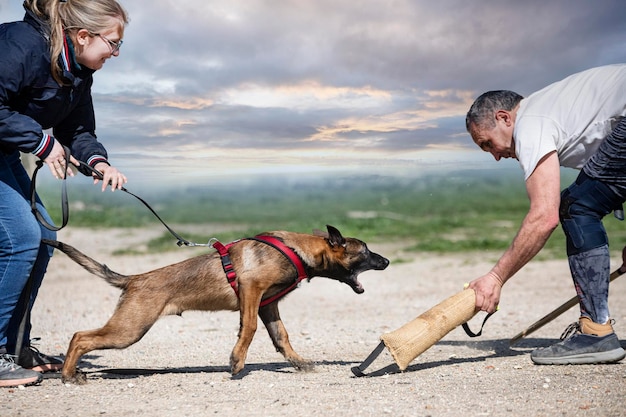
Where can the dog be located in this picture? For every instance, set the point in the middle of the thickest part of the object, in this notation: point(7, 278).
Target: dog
point(200, 283)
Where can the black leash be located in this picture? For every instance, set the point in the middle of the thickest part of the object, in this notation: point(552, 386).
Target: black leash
point(23, 304)
point(65, 205)
point(64, 200)
point(24, 301)
point(23, 309)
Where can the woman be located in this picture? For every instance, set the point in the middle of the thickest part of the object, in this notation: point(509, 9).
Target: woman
point(46, 68)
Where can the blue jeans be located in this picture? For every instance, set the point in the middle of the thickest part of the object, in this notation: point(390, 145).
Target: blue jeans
point(22, 254)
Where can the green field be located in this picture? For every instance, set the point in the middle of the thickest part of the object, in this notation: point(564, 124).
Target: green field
point(448, 212)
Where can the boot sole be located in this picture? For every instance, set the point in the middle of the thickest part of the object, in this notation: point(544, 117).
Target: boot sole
point(610, 356)
point(23, 381)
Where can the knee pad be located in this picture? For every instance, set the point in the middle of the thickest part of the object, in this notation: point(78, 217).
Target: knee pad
point(580, 213)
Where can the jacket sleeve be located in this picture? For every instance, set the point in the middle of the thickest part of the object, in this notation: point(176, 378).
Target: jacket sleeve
point(18, 131)
point(77, 130)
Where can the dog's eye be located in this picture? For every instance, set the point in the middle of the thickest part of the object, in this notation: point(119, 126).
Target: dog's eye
point(361, 252)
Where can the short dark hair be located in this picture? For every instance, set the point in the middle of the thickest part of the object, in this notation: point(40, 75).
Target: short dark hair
point(484, 107)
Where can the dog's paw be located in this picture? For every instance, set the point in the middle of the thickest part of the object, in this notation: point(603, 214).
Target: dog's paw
point(76, 378)
point(303, 365)
point(236, 367)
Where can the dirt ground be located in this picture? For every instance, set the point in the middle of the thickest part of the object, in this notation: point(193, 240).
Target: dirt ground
point(180, 368)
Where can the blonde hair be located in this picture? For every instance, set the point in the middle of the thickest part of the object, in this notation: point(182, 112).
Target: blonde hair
point(71, 15)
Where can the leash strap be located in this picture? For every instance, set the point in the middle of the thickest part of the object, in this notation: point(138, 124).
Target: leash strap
point(181, 240)
point(24, 301)
point(65, 205)
point(64, 200)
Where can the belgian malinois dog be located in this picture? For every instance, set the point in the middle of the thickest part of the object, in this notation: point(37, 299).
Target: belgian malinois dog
point(200, 283)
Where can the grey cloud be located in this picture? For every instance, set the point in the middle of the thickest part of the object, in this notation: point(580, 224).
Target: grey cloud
point(180, 59)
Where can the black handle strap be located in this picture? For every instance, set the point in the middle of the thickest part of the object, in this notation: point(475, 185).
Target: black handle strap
point(64, 200)
point(471, 333)
point(359, 371)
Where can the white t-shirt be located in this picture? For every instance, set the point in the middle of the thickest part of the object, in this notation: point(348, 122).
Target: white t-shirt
point(571, 116)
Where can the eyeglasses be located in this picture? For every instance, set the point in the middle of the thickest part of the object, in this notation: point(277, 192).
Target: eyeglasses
point(115, 46)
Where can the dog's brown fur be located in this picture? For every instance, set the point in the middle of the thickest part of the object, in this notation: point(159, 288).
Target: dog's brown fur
point(199, 283)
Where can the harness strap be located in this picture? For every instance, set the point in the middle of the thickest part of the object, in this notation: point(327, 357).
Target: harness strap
point(229, 270)
point(231, 275)
point(293, 258)
point(269, 300)
point(285, 250)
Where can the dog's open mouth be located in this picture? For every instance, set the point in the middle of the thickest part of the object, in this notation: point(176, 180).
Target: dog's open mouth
point(352, 280)
point(356, 286)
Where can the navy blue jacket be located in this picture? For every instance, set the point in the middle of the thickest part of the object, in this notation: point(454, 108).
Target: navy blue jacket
point(31, 101)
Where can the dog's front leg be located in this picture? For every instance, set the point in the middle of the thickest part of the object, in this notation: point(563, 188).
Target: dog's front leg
point(271, 318)
point(249, 300)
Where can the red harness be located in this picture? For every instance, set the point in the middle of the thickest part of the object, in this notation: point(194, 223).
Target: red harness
point(231, 275)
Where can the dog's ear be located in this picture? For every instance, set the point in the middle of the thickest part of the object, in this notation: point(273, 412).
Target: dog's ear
point(334, 236)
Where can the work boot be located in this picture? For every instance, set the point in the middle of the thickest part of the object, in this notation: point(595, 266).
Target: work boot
point(584, 342)
point(31, 358)
point(13, 375)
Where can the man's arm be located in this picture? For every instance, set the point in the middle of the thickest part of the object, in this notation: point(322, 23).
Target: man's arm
point(543, 187)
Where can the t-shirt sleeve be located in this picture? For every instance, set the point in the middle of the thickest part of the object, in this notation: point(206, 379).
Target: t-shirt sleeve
point(535, 137)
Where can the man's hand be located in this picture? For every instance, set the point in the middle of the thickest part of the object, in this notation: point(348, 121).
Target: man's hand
point(487, 289)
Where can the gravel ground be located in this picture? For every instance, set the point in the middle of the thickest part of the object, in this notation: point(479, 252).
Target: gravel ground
point(180, 368)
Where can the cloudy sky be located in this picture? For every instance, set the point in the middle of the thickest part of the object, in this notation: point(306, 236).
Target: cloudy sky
point(205, 87)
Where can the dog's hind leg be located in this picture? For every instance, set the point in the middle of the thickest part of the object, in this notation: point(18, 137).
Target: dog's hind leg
point(271, 318)
point(128, 325)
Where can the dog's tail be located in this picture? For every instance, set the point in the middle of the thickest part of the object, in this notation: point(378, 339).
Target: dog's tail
point(96, 268)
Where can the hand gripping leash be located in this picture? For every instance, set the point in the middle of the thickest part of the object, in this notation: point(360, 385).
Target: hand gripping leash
point(65, 205)
point(64, 200)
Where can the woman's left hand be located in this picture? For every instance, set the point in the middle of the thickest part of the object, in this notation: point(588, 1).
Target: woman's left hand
point(110, 176)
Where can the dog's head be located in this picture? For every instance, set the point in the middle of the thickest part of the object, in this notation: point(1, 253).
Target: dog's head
point(345, 258)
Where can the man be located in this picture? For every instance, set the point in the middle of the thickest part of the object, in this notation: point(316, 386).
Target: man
point(579, 122)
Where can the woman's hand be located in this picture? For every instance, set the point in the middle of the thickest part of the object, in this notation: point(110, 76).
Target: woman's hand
point(110, 176)
point(56, 161)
